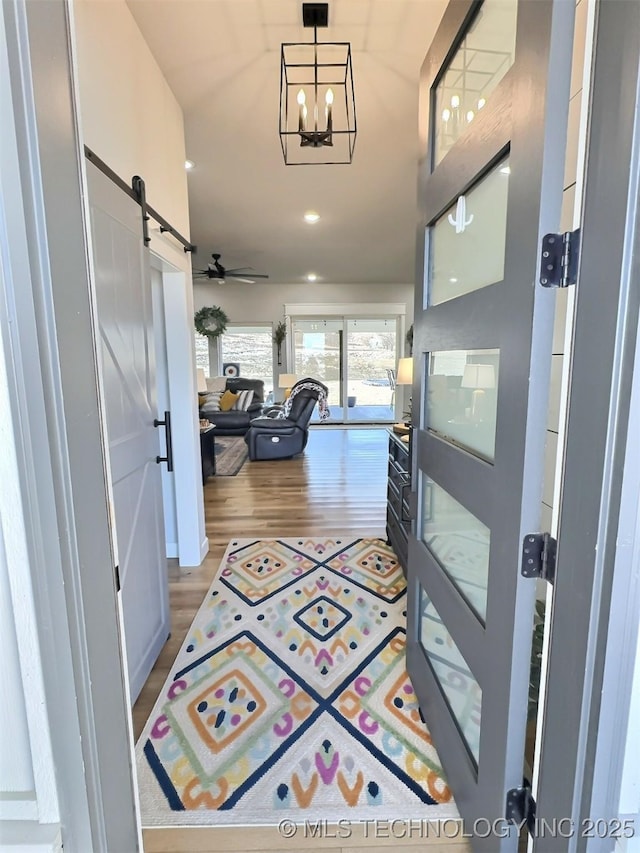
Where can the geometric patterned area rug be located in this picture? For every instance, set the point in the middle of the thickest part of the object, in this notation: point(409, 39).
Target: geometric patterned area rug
point(290, 696)
point(231, 454)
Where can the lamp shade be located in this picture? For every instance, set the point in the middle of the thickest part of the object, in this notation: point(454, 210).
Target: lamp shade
point(478, 376)
point(405, 371)
point(286, 380)
point(201, 379)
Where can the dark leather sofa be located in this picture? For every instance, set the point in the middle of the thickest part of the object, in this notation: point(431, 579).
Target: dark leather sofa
point(281, 438)
point(234, 422)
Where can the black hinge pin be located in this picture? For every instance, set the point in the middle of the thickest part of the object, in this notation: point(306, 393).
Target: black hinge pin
point(521, 806)
point(559, 257)
point(539, 556)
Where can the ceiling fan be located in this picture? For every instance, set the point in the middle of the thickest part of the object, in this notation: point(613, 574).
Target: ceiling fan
point(217, 271)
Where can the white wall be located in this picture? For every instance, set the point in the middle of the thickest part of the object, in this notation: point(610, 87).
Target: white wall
point(131, 120)
point(130, 117)
point(264, 302)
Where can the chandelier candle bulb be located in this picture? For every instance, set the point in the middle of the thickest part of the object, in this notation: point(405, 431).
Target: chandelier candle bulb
point(302, 110)
point(328, 109)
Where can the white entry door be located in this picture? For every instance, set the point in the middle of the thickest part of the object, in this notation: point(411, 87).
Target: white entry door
point(125, 323)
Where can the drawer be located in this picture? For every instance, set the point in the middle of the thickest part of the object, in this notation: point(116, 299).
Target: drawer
point(398, 476)
point(397, 539)
point(399, 455)
point(393, 499)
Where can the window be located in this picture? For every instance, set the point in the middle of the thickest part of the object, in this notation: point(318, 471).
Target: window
point(251, 348)
point(202, 353)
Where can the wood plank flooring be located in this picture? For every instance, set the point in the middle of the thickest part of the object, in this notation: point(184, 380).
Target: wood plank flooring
point(337, 486)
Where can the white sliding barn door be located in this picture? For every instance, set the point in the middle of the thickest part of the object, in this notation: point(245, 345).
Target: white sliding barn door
point(127, 350)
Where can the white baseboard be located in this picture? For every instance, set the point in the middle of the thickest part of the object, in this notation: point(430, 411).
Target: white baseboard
point(21, 836)
point(20, 807)
point(204, 548)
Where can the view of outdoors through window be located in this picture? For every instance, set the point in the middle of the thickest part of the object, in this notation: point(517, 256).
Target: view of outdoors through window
point(366, 365)
point(202, 352)
point(251, 348)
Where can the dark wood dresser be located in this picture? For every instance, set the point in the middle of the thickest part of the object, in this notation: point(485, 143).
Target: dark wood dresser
point(398, 488)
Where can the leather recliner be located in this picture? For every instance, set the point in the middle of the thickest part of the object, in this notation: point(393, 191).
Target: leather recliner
point(281, 438)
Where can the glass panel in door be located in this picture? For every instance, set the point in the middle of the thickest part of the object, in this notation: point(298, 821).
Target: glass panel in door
point(318, 354)
point(371, 364)
point(485, 55)
point(467, 242)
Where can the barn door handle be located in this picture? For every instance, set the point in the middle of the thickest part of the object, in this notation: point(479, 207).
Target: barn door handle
point(166, 423)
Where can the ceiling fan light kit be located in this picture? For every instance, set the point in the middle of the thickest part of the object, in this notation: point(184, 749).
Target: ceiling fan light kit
point(317, 101)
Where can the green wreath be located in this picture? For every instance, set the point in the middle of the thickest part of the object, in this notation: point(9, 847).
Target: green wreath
point(210, 322)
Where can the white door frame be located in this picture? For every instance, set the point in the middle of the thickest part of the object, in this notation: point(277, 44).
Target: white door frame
point(192, 542)
point(594, 618)
point(58, 419)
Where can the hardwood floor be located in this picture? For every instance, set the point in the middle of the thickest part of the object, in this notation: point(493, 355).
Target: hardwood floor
point(337, 486)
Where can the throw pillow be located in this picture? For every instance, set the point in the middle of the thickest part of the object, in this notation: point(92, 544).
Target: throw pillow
point(244, 400)
point(216, 383)
point(211, 402)
point(227, 401)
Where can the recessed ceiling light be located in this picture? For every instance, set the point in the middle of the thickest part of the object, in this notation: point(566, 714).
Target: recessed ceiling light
point(311, 217)
point(505, 170)
point(189, 164)
point(311, 276)
point(453, 280)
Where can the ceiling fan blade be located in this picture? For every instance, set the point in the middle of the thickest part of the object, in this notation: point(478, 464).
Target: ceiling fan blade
point(251, 275)
point(245, 280)
point(240, 270)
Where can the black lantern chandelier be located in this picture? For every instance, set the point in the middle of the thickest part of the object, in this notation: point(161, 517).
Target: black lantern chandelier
point(317, 103)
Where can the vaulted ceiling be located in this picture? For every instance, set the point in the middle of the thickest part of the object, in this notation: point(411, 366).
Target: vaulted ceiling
point(222, 61)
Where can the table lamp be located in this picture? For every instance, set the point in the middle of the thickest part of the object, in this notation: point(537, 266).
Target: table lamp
point(480, 377)
point(286, 380)
point(202, 380)
point(405, 377)
point(405, 371)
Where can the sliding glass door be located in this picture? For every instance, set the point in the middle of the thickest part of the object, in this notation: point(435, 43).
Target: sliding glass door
point(356, 358)
point(371, 365)
point(318, 353)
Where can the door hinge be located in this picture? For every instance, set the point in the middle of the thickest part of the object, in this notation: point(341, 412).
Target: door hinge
point(521, 806)
point(539, 556)
point(116, 571)
point(559, 257)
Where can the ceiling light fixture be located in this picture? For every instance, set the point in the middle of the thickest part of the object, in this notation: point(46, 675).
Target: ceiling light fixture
point(312, 276)
point(189, 164)
point(317, 102)
point(311, 217)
